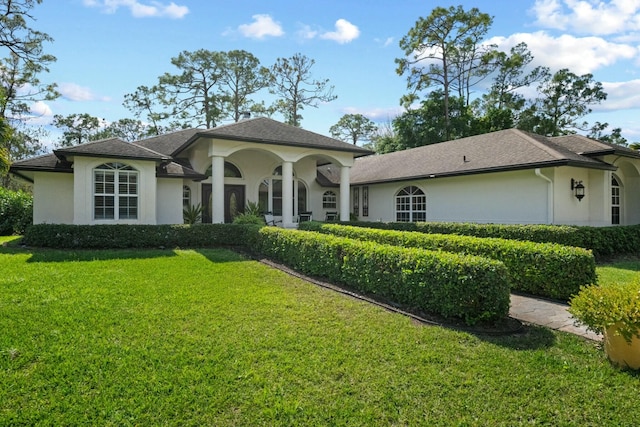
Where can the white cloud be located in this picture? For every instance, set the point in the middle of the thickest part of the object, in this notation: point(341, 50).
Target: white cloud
point(621, 95)
point(579, 54)
point(153, 9)
point(379, 115)
point(262, 26)
point(74, 92)
point(345, 32)
point(588, 16)
point(306, 32)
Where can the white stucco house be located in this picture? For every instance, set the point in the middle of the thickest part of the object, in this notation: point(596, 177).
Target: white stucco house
point(509, 176)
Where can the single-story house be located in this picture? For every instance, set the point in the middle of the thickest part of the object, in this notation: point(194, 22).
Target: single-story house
point(508, 176)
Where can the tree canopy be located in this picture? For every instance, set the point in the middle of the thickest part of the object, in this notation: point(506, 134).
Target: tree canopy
point(353, 128)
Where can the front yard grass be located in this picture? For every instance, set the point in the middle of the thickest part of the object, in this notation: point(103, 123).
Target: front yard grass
point(206, 337)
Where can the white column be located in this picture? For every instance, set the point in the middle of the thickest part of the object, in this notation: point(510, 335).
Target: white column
point(217, 189)
point(345, 193)
point(287, 194)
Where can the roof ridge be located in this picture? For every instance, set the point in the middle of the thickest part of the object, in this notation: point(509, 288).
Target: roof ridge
point(536, 139)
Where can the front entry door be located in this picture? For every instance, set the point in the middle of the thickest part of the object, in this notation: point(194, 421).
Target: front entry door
point(233, 202)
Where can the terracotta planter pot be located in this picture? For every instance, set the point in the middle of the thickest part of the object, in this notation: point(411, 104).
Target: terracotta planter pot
point(620, 352)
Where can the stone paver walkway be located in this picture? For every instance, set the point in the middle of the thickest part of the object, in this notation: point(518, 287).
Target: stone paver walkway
point(550, 314)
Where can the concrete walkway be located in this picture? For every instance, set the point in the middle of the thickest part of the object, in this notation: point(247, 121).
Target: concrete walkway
point(550, 314)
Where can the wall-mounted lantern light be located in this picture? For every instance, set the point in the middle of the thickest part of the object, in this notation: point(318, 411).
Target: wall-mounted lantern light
point(577, 188)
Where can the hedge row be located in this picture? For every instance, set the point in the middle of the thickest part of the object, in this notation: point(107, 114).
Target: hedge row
point(603, 241)
point(16, 211)
point(467, 287)
point(544, 269)
point(138, 236)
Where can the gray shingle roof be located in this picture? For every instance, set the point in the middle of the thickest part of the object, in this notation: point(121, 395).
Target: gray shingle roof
point(168, 143)
point(590, 147)
point(497, 151)
point(46, 162)
point(112, 147)
point(269, 131)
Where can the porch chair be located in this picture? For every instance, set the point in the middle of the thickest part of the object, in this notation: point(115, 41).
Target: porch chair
point(270, 219)
point(331, 216)
point(305, 216)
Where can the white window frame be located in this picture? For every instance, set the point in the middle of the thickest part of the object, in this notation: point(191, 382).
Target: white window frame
point(411, 204)
point(616, 200)
point(118, 195)
point(329, 200)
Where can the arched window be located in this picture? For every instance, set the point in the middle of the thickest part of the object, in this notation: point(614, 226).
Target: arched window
point(270, 194)
point(411, 205)
point(186, 196)
point(230, 170)
point(616, 201)
point(329, 200)
point(115, 192)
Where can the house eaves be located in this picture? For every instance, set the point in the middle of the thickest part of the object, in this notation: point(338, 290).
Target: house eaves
point(602, 166)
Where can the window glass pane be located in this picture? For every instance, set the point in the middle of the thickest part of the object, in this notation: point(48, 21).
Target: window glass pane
point(302, 197)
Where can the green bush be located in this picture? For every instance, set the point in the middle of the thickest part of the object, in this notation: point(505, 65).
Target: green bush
point(543, 269)
point(139, 236)
point(16, 211)
point(470, 288)
point(602, 241)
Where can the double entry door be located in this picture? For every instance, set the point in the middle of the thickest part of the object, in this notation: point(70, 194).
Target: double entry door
point(233, 202)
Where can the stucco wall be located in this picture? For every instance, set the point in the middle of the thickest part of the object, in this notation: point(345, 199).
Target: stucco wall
point(508, 197)
point(83, 191)
point(169, 201)
point(53, 198)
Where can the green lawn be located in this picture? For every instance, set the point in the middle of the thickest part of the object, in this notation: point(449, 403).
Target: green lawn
point(192, 338)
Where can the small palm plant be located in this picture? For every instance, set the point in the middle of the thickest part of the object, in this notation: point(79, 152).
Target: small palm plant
point(251, 215)
point(192, 214)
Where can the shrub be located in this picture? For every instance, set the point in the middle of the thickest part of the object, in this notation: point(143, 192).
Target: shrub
point(139, 236)
point(16, 211)
point(601, 307)
point(602, 241)
point(544, 269)
point(465, 287)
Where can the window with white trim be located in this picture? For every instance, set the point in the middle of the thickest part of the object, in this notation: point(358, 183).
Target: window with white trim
point(186, 196)
point(616, 201)
point(329, 200)
point(270, 194)
point(115, 192)
point(411, 205)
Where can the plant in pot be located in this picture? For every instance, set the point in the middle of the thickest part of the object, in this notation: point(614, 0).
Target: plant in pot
point(614, 311)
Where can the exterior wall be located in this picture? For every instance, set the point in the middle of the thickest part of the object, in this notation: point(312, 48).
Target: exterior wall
point(83, 190)
point(507, 197)
point(629, 174)
point(53, 198)
point(169, 201)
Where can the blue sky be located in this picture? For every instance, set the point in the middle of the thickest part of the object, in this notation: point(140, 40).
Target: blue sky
point(107, 48)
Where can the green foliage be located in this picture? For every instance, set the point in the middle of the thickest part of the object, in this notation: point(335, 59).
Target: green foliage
point(293, 83)
point(139, 236)
point(247, 218)
point(77, 128)
point(192, 214)
point(603, 241)
point(600, 307)
point(353, 128)
point(16, 211)
point(456, 286)
point(544, 269)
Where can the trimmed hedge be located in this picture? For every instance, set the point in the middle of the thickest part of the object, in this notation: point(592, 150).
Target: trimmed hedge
point(603, 241)
point(16, 211)
point(466, 287)
point(139, 236)
point(544, 269)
